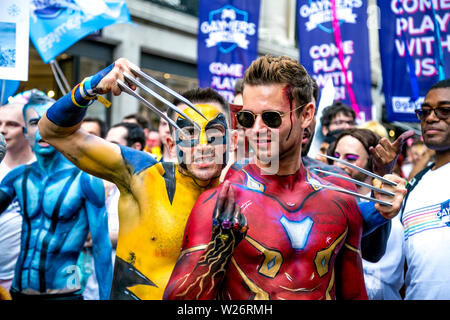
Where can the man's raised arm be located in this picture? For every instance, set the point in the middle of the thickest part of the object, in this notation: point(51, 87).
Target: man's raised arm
point(60, 127)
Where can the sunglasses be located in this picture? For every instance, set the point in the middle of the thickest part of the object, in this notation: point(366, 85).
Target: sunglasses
point(348, 156)
point(442, 113)
point(272, 119)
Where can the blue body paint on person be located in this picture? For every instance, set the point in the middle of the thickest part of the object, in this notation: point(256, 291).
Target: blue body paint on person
point(60, 204)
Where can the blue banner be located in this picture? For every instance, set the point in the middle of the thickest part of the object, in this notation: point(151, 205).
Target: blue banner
point(409, 48)
point(227, 42)
point(319, 52)
point(55, 25)
point(7, 89)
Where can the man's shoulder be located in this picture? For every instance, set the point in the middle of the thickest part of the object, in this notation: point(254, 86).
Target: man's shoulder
point(137, 160)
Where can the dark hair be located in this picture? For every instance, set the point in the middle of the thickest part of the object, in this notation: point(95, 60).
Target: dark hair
point(330, 112)
point(282, 70)
point(100, 123)
point(134, 133)
point(199, 95)
point(443, 84)
point(140, 119)
point(367, 137)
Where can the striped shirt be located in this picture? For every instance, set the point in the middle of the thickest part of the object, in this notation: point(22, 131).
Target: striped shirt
point(426, 224)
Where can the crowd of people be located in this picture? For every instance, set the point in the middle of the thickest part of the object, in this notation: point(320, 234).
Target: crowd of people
point(225, 201)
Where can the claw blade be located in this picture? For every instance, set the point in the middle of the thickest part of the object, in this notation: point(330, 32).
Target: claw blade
point(142, 74)
point(373, 175)
point(159, 97)
point(340, 176)
point(128, 90)
point(316, 184)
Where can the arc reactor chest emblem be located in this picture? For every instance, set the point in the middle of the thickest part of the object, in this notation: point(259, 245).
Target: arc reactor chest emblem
point(297, 231)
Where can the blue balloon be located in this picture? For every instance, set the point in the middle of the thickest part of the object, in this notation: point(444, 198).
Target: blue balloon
point(7, 89)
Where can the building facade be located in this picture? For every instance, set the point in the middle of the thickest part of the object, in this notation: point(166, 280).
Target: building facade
point(163, 41)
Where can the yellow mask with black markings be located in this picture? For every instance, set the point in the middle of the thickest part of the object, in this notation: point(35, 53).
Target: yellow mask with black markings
point(208, 133)
point(213, 130)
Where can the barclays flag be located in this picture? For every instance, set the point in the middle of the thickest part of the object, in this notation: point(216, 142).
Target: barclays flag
point(227, 42)
point(55, 25)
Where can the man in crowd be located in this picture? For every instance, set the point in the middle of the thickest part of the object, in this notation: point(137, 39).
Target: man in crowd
point(127, 134)
point(95, 126)
point(18, 152)
point(152, 138)
point(60, 205)
point(426, 211)
point(167, 143)
point(155, 198)
point(338, 116)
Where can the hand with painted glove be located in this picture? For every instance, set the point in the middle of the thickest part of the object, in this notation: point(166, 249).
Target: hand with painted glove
point(201, 267)
point(229, 224)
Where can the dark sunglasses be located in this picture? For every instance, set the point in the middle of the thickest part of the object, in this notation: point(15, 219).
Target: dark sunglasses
point(442, 113)
point(272, 119)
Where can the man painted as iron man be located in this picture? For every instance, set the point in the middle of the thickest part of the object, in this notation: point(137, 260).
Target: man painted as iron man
point(262, 235)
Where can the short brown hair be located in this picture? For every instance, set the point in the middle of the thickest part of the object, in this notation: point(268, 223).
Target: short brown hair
point(282, 70)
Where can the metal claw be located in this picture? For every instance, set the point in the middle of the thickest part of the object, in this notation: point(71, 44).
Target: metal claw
point(340, 176)
point(169, 104)
point(316, 184)
point(128, 90)
point(373, 175)
point(142, 74)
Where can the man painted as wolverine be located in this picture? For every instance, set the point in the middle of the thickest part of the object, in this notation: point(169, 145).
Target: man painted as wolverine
point(155, 197)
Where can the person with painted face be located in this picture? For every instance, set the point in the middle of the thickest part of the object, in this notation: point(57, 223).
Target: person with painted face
point(60, 204)
point(155, 197)
point(18, 152)
point(372, 218)
point(268, 232)
point(261, 229)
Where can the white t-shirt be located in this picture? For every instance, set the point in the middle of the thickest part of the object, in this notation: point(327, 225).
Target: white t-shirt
point(10, 232)
point(426, 222)
point(384, 278)
point(112, 204)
